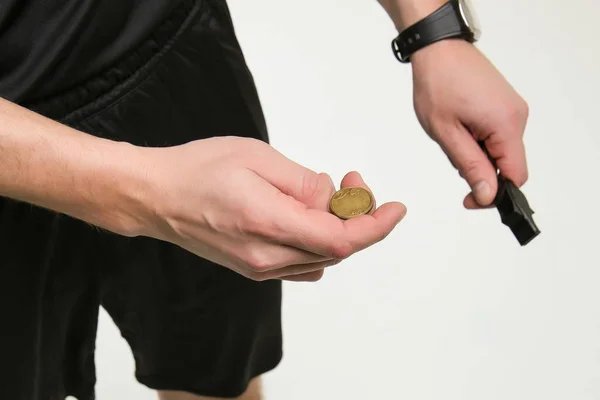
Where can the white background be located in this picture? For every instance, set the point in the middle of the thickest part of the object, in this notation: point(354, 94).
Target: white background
point(449, 306)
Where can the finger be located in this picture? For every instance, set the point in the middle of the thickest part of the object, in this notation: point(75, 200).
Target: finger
point(322, 191)
point(267, 216)
point(295, 270)
point(322, 233)
point(286, 175)
point(472, 163)
point(269, 257)
point(454, 166)
point(354, 179)
point(470, 203)
point(287, 221)
point(510, 157)
point(308, 277)
point(366, 230)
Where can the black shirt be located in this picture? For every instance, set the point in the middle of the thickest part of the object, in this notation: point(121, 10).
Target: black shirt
point(47, 46)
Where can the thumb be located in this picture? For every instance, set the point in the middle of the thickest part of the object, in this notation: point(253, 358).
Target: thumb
point(472, 163)
point(317, 191)
point(354, 179)
point(303, 184)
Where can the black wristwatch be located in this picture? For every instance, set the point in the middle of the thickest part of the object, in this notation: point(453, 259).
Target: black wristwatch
point(455, 19)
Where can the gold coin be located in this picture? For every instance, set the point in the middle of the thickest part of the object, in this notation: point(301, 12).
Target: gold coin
point(351, 202)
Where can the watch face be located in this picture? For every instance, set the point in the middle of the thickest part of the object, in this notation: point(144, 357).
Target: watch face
point(470, 18)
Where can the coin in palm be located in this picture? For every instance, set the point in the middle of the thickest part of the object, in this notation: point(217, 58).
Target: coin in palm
point(351, 202)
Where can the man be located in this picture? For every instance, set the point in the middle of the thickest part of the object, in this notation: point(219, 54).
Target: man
point(141, 118)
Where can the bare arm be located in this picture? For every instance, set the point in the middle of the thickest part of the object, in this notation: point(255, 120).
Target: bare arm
point(53, 166)
point(404, 13)
point(460, 99)
point(189, 195)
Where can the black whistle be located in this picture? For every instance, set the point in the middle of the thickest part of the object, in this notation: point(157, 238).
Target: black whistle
point(514, 208)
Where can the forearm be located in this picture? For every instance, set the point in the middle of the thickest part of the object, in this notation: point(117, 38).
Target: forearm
point(404, 13)
point(53, 166)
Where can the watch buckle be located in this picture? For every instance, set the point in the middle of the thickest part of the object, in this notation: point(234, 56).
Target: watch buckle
point(396, 49)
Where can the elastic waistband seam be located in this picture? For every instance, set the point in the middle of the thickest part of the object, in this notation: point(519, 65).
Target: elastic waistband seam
point(99, 91)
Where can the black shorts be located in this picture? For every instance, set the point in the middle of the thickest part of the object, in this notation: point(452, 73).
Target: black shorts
point(192, 325)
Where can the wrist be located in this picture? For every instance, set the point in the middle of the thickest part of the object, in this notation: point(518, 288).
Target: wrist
point(103, 183)
point(438, 52)
point(453, 20)
point(405, 13)
point(123, 180)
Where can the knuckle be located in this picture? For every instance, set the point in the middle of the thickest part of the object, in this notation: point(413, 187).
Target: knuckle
point(256, 262)
point(241, 147)
point(524, 109)
point(437, 129)
point(257, 276)
point(254, 276)
point(316, 187)
point(515, 116)
point(325, 184)
point(251, 145)
point(310, 184)
point(341, 250)
point(469, 167)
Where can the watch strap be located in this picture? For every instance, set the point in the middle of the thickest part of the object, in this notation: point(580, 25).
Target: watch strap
point(444, 23)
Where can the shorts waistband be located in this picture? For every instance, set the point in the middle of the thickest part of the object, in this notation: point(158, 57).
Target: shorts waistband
point(82, 100)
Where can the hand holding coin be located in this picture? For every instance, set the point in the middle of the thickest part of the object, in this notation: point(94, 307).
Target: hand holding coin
point(353, 200)
point(257, 212)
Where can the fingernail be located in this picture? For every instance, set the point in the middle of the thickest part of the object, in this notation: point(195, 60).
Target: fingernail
point(482, 192)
